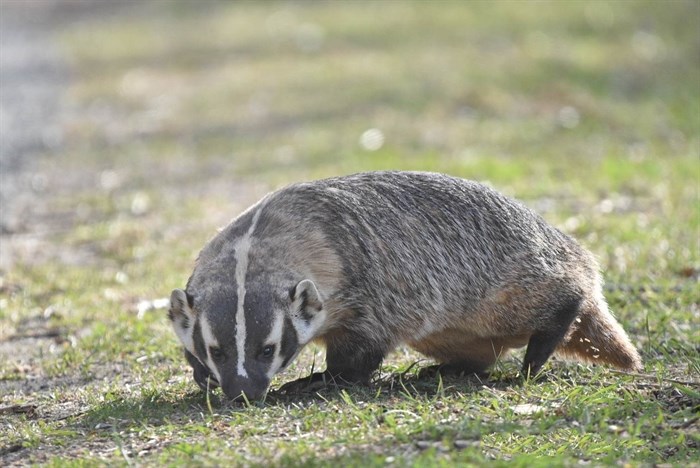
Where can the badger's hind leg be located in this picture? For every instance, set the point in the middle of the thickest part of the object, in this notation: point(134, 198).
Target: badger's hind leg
point(544, 340)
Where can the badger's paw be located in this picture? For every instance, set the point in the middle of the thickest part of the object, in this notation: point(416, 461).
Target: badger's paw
point(314, 382)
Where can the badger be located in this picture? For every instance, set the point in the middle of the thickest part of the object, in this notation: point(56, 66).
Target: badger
point(365, 263)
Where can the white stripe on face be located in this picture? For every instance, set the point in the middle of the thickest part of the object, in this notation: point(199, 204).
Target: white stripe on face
point(242, 250)
point(275, 338)
point(185, 336)
point(209, 342)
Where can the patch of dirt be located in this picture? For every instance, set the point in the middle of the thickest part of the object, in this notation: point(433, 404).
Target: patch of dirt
point(34, 76)
point(25, 348)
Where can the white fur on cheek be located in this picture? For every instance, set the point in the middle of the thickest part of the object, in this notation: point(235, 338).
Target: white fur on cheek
point(275, 339)
point(209, 342)
point(306, 331)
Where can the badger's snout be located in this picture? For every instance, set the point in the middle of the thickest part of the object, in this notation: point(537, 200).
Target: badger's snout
point(234, 388)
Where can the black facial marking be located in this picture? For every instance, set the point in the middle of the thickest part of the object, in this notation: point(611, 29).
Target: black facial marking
point(289, 343)
point(199, 346)
point(185, 322)
point(201, 373)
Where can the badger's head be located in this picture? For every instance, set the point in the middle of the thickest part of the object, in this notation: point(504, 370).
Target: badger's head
point(240, 339)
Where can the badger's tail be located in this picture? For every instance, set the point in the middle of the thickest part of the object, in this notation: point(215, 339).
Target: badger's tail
point(595, 336)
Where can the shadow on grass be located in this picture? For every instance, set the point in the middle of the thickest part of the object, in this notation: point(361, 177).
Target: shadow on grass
point(160, 407)
point(399, 385)
point(157, 408)
point(153, 409)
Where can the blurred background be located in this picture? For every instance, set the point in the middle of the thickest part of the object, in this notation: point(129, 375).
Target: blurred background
point(132, 130)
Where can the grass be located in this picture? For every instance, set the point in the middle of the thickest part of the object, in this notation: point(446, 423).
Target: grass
point(182, 116)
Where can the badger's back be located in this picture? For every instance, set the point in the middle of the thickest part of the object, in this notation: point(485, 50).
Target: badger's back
point(441, 222)
point(420, 249)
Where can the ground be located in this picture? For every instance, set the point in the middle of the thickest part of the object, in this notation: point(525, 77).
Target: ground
point(130, 133)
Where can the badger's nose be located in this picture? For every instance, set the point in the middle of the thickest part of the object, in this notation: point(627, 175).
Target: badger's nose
point(242, 390)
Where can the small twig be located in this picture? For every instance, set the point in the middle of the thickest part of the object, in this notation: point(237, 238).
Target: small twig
point(688, 423)
point(67, 416)
point(44, 334)
point(208, 392)
point(17, 409)
point(648, 385)
point(655, 377)
point(408, 369)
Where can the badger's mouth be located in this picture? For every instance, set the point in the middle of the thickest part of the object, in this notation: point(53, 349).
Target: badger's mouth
point(205, 378)
point(208, 382)
point(202, 375)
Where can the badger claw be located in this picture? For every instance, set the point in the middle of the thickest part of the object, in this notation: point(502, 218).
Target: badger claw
point(315, 382)
point(310, 384)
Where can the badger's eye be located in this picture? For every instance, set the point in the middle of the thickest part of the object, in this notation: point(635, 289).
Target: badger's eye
point(216, 353)
point(268, 351)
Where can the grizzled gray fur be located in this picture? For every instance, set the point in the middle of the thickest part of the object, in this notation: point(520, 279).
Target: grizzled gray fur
point(368, 262)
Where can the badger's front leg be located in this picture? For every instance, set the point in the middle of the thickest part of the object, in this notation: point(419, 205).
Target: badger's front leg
point(353, 358)
point(350, 359)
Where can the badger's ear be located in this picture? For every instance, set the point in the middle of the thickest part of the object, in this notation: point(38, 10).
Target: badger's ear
point(307, 310)
point(181, 304)
point(306, 297)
